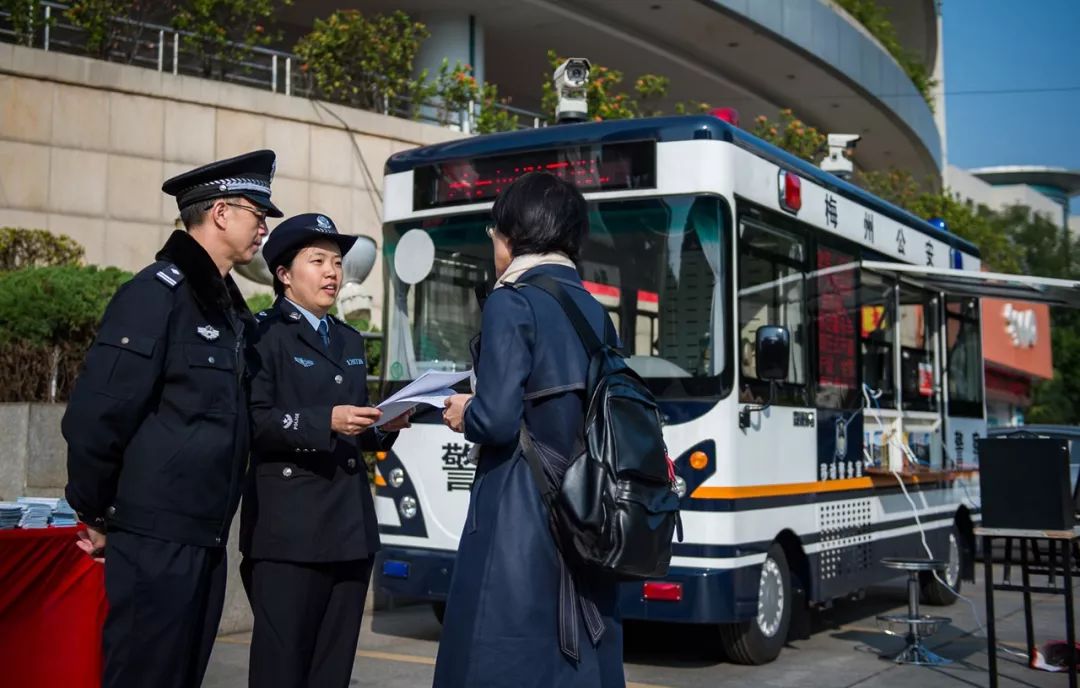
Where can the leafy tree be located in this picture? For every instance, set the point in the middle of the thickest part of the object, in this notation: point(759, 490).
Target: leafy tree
point(224, 31)
point(22, 248)
point(25, 18)
point(106, 37)
point(363, 62)
point(491, 117)
point(791, 134)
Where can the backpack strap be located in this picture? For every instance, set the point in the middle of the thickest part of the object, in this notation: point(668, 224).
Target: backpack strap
point(570, 598)
point(577, 318)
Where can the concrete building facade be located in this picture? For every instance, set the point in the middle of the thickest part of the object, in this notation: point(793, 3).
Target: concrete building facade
point(86, 144)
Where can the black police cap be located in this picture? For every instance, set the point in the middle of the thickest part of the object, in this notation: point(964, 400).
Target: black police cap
point(299, 231)
point(248, 175)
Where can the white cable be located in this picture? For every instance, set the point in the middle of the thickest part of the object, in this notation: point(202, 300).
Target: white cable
point(876, 394)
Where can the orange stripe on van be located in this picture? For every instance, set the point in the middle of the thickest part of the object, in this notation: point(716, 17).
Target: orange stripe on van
point(846, 484)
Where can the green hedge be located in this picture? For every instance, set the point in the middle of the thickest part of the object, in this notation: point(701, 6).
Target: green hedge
point(48, 319)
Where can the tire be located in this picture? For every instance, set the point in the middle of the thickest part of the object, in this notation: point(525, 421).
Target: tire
point(933, 592)
point(759, 640)
point(440, 610)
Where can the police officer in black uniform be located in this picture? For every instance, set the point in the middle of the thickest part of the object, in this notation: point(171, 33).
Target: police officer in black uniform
point(308, 528)
point(158, 429)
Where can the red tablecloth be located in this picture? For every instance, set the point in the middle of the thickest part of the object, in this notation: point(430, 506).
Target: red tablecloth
point(52, 608)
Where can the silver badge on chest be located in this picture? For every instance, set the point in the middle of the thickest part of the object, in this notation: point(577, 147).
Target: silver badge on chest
point(208, 332)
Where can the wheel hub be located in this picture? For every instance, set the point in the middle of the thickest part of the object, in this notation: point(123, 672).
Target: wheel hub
point(770, 598)
point(952, 571)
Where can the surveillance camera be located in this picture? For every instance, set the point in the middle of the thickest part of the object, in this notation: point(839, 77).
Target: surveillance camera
point(572, 74)
point(570, 79)
point(836, 161)
point(845, 141)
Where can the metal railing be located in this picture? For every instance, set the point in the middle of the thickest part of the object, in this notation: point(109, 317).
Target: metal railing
point(166, 49)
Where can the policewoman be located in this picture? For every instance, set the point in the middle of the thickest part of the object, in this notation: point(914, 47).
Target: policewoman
point(158, 431)
point(308, 528)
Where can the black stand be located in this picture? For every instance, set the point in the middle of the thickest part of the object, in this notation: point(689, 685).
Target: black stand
point(1053, 538)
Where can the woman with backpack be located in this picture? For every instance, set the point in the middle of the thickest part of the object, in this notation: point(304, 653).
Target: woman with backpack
point(518, 615)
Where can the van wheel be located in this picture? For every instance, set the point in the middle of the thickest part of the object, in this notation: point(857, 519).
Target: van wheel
point(440, 610)
point(759, 640)
point(933, 592)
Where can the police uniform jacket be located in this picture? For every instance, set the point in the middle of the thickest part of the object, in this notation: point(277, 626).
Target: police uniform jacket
point(157, 424)
point(308, 498)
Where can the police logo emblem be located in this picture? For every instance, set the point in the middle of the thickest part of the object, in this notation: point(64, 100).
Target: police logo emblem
point(289, 421)
point(294, 315)
point(306, 362)
point(324, 223)
point(208, 332)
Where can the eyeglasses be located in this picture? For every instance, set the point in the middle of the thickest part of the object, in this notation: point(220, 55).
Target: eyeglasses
point(260, 215)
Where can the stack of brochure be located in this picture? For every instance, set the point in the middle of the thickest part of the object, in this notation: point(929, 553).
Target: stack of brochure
point(63, 515)
point(59, 511)
point(10, 515)
point(35, 513)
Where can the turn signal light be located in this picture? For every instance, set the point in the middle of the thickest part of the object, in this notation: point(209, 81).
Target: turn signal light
point(380, 456)
point(662, 592)
point(699, 460)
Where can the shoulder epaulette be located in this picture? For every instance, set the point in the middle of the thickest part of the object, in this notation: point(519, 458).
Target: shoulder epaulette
point(266, 314)
point(170, 276)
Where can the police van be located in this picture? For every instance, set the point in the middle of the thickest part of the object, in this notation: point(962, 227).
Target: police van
point(793, 489)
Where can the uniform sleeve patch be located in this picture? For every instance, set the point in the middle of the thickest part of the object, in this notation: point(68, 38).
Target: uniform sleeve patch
point(290, 421)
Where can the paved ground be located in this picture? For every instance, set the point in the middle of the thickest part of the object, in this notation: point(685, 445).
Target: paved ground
point(398, 647)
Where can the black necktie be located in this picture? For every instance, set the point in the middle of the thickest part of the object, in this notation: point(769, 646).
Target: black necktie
point(324, 332)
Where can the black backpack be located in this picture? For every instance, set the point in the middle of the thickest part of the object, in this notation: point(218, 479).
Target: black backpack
point(616, 507)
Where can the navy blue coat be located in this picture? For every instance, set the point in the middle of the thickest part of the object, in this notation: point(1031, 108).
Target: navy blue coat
point(501, 622)
point(157, 426)
point(308, 498)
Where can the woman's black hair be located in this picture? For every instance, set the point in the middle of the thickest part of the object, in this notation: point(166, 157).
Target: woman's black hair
point(540, 213)
point(285, 259)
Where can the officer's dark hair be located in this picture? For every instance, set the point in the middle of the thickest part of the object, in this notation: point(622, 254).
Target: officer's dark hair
point(540, 213)
point(285, 259)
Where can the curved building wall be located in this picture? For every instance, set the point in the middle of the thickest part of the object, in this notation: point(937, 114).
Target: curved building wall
point(828, 34)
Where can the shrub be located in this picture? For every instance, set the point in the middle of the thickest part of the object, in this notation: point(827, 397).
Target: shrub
point(360, 61)
point(21, 248)
point(224, 31)
point(791, 134)
point(48, 319)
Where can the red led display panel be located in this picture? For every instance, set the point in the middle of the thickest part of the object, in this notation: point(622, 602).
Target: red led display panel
point(598, 167)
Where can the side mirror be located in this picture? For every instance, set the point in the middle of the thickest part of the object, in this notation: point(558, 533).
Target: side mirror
point(772, 353)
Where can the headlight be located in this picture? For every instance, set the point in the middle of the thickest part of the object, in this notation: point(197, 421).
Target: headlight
point(396, 477)
point(407, 507)
point(680, 486)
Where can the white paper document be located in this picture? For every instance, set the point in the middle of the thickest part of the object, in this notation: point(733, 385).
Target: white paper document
point(431, 388)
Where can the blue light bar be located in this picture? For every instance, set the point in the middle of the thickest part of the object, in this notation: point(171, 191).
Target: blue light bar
point(395, 569)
